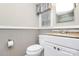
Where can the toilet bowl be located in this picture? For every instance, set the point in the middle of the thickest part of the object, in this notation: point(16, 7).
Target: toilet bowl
point(35, 50)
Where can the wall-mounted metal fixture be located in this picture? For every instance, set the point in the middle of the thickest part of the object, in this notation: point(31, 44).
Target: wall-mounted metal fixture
point(10, 43)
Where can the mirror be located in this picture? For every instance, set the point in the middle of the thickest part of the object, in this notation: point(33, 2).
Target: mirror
point(64, 12)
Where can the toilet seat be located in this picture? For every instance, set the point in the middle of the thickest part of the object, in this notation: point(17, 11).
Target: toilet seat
point(34, 49)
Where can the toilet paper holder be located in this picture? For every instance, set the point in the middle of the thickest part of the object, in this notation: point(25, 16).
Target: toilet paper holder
point(10, 43)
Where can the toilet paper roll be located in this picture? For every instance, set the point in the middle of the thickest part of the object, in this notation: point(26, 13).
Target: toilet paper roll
point(10, 43)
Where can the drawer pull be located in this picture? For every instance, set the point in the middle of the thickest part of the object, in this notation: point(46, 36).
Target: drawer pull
point(58, 49)
point(54, 47)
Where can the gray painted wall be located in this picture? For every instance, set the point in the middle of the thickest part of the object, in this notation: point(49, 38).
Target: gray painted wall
point(18, 15)
point(22, 39)
point(43, 31)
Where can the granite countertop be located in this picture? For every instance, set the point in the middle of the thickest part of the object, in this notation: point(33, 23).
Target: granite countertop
point(68, 34)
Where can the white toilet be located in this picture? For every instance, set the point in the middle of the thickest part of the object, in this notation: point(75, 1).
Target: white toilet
point(35, 50)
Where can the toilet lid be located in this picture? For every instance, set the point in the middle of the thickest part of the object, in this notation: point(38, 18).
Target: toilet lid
point(34, 48)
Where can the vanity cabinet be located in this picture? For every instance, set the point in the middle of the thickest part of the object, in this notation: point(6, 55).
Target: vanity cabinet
point(59, 46)
point(48, 48)
point(54, 50)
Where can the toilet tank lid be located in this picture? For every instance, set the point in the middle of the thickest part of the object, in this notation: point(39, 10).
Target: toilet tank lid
point(35, 47)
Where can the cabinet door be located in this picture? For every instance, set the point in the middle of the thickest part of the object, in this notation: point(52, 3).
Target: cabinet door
point(62, 51)
point(55, 50)
point(50, 49)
